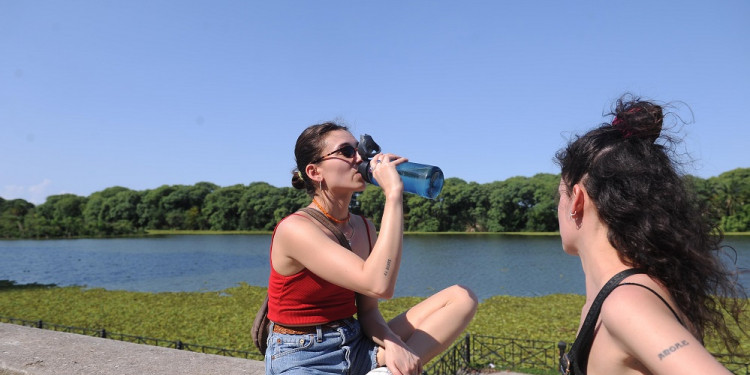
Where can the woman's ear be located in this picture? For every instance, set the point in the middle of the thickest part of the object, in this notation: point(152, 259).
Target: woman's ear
point(312, 171)
point(578, 198)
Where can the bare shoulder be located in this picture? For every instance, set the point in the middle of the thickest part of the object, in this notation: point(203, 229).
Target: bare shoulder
point(293, 223)
point(628, 302)
point(294, 229)
point(647, 333)
point(639, 322)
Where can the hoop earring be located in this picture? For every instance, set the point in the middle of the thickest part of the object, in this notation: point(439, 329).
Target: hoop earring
point(573, 214)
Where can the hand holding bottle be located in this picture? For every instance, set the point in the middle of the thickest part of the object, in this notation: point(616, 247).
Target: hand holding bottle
point(383, 169)
point(421, 179)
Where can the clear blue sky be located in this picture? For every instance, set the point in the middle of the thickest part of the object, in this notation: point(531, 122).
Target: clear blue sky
point(95, 94)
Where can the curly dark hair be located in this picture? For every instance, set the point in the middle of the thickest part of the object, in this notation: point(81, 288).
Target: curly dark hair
point(656, 223)
point(309, 146)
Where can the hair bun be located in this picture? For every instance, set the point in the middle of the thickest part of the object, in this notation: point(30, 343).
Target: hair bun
point(297, 181)
point(637, 118)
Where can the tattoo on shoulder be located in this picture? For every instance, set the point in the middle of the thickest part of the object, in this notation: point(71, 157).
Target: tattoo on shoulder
point(664, 353)
point(387, 268)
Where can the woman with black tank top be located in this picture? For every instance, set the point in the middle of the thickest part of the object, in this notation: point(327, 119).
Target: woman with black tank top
point(319, 279)
point(648, 248)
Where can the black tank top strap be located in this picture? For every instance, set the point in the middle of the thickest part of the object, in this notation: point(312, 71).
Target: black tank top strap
point(575, 361)
point(660, 297)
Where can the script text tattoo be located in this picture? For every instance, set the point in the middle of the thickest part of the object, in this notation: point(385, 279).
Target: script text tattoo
point(387, 268)
point(664, 353)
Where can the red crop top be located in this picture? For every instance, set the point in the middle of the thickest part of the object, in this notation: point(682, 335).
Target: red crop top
point(306, 299)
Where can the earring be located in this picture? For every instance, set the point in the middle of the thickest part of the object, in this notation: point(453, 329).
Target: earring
point(321, 185)
point(573, 214)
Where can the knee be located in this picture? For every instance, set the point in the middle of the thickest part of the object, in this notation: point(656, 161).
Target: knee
point(464, 296)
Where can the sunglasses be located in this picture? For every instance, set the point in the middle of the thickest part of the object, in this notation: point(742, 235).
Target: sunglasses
point(347, 151)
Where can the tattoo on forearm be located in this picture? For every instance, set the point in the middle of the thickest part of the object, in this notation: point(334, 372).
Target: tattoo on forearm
point(387, 268)
point(664, 353)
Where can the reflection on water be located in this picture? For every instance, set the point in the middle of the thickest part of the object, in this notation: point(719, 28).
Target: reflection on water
point(489, 264)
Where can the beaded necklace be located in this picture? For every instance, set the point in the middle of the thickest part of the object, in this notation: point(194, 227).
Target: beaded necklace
point(335, 220)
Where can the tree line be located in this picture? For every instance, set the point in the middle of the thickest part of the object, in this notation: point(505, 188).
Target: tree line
point(518, 204)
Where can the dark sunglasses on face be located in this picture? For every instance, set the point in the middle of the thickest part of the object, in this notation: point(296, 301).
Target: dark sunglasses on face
point(347, 151)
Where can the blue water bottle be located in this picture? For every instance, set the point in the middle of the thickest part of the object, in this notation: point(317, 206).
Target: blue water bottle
point(421, 179)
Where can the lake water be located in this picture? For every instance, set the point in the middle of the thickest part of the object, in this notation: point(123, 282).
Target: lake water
point(490, 264)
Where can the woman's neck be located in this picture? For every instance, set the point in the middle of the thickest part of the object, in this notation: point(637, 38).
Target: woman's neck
point(336, 210)
point(600, 261)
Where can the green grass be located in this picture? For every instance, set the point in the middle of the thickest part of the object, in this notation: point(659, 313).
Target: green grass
point(223, 319)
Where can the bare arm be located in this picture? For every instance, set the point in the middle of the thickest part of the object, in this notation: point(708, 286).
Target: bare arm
point(300, 243)
point(644, 328)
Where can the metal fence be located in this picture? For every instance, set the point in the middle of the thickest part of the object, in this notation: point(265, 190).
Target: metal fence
point(477, 353)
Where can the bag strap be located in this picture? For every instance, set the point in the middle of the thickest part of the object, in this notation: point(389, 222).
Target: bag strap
point(585, 337)
point(328, 224)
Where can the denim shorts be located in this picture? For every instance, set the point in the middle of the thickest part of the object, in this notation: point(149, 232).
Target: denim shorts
point(342, 350)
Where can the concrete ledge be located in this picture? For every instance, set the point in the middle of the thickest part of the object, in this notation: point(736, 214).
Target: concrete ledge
point(33, 351)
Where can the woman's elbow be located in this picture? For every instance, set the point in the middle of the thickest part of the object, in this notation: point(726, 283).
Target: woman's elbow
point(388, 294)
point(381, 292)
